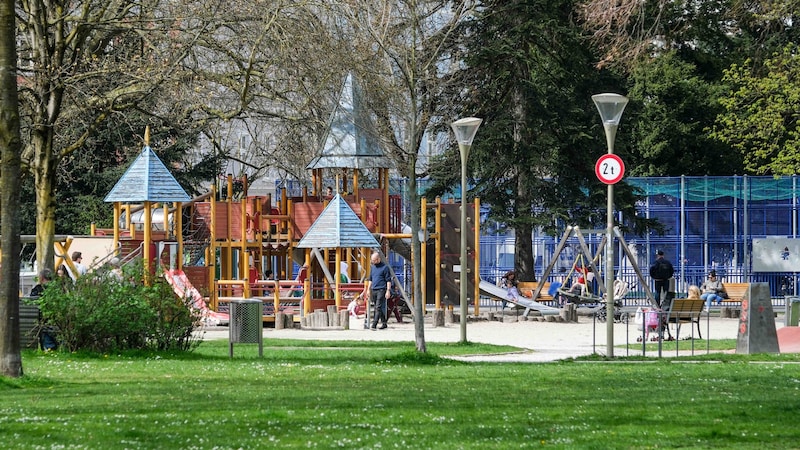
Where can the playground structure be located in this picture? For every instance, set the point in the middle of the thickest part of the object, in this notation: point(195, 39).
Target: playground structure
point(218, 246)
point(230, 241)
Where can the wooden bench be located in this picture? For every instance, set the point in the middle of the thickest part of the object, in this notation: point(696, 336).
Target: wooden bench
point(686, 310)
point(526, 288)
point(735, 291)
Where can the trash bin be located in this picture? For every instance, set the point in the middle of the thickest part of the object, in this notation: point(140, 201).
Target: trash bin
point(246, 326)
point(792, 311)
point(28, 323)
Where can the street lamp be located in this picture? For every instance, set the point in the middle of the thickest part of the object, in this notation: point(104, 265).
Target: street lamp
point(610, 107)
point(465, 130)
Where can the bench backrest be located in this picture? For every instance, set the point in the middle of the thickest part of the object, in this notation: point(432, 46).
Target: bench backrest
point(527, 288)
point(736, 291)
point(686, 308)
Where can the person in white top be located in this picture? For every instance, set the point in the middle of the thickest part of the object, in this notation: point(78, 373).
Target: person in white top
point(76, 259)
point(354, 307)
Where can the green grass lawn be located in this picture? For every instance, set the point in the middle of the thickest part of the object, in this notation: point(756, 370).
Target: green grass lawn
point(305, 394)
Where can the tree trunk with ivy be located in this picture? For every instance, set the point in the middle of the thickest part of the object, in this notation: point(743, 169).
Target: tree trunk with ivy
point(44, 175)
point(10, 169)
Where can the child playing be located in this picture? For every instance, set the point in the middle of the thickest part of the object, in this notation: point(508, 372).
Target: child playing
point(355, 306)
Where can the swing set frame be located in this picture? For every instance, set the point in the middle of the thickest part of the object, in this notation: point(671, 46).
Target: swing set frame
point(575, 231)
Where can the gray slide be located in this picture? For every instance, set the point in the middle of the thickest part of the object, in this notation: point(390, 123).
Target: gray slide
point(500, 293)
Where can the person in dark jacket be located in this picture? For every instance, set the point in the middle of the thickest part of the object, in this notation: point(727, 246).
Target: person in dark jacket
point(45, 276)
point(661, 271)
point(378, 290)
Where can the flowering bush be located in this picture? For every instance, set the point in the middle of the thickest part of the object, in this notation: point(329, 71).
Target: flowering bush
point(103, 312)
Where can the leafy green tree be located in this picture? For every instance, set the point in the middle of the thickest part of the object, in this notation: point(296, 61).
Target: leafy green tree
point(760, 117)
point(672, 106)
point(676, 54)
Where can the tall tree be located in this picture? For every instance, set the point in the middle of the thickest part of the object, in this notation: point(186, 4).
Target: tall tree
point(80, 63)
point(760, 117)
point(402, 54)
point(672, 106)
point(85, 62)
point(532, 78)
point(676, 53)
point(10, 169)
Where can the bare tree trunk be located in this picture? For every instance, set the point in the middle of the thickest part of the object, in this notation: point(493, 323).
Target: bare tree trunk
point(44, 182)
point(523, 252)
point(523, 241)
point(10, 358)
point(416, 264)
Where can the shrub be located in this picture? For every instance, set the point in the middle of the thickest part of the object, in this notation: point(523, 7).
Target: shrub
point(103, 312)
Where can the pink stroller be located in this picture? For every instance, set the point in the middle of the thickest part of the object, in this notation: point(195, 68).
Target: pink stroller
point(648, 317)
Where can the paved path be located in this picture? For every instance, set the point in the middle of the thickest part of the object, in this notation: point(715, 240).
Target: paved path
point(540, 341)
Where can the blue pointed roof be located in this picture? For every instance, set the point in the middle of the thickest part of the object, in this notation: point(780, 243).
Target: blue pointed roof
point(351, 141)
point(147, 179)
point(338, 226)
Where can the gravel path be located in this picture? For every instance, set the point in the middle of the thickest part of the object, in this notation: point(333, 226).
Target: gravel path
point(540, 341)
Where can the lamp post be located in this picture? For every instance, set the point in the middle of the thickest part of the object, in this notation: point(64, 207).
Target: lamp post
point(465, 130)
point(610, 107)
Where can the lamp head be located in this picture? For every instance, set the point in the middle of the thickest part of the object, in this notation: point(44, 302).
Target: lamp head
point(465, 129)
point(610, 107)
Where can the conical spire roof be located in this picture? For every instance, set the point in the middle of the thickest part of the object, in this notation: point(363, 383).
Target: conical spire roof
point(338, 227)
point(351, 141)
point(147, 179)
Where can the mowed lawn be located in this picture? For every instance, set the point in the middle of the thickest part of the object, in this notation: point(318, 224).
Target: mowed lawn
point(384, 395)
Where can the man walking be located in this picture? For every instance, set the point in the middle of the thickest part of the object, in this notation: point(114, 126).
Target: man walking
point(661, 271)
point(378, 290)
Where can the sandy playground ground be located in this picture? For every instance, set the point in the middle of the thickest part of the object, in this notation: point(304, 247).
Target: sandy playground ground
point(541, 341)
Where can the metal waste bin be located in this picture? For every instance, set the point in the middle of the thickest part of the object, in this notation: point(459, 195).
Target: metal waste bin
point(246, 326)
point(792, 311)
point(29, 326)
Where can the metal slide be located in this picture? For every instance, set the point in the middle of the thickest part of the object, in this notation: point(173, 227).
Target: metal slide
point(500, 293)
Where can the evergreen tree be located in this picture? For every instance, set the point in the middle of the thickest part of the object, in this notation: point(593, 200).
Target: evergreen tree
point(531, 79)
point(672, 107)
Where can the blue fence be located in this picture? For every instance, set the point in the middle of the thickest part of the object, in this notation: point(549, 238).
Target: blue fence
point(710, 223)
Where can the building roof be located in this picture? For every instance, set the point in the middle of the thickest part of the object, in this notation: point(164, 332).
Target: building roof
point(338, 226)
point(352, 140)
point(147, 179)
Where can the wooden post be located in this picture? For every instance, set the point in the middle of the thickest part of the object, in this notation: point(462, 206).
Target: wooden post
point(148, 222)
point(437, 297)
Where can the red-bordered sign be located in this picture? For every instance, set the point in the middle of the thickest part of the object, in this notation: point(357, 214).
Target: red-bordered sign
point(609, 169)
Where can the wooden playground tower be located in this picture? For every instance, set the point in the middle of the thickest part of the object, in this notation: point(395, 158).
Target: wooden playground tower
point(251, 234)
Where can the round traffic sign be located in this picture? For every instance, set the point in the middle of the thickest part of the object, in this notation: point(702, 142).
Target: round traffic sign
point(609, 168)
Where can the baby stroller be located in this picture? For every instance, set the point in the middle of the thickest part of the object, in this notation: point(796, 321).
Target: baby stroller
point(621, 289)
point(648, 319)
point(396, 306)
